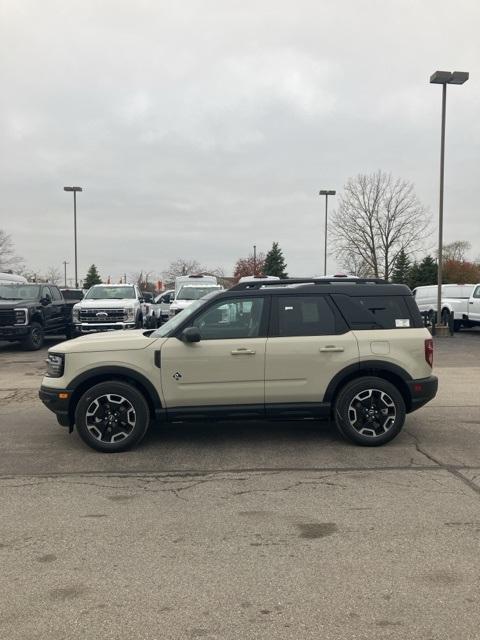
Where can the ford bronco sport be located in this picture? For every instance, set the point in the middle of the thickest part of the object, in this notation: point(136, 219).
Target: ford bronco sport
point(352, 350)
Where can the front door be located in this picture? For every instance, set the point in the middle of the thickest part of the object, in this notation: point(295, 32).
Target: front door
point(227, 366)
point(474, 305)
point(309, 344)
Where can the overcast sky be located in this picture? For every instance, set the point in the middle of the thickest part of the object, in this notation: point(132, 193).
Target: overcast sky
point(198, 128)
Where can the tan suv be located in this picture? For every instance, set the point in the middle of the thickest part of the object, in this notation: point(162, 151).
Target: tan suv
point(355, 350)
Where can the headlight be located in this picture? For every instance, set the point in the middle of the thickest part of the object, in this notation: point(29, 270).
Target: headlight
point(21, 316)
point(130, 313)
point(76, 314)
point(55, 365)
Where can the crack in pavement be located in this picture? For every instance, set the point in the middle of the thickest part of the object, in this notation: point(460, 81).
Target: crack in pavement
point(453, 469)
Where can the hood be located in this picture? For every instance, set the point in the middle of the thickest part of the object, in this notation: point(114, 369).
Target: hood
point(129, 340)
point(9, 304)
point(105, 304)
point(181, 304)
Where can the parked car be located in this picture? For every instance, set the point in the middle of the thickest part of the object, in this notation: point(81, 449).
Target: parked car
point(191, 288)
point(460, 303)
point(29, 312)
point(163, 302)
point(107, 307)
point(355, 352)
point(150, 320)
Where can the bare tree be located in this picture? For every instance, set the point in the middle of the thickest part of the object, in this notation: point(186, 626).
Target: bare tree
point(182, 267)
point(8, 258)
point(53, 275)
point(456, 250)
point(377, 217)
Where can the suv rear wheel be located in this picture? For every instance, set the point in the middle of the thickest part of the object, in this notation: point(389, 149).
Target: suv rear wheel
point(112, 416)
point(369, 411)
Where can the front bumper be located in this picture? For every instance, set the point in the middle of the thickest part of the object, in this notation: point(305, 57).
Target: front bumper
point(85, 327)
point(54, 400)
point(422, 391)
point(14, 331)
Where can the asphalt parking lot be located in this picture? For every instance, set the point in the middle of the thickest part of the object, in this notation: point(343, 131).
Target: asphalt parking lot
point(242, 531)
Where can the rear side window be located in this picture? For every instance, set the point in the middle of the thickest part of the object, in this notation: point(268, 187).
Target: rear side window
point(305, 316)
point(376, 312)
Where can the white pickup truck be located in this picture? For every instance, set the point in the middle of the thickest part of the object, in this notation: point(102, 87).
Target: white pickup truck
point(110, 306)
point(191, 288)
point(460, 301)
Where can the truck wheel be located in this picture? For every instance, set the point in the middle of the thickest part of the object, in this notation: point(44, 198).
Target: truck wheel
point(139, 322)
point(369, 411)
point(112, 416)
point(35, 338)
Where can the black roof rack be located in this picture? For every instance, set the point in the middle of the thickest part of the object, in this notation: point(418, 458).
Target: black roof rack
point(317, 281)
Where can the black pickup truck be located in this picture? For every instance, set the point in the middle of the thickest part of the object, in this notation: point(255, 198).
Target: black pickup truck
point(29, 312)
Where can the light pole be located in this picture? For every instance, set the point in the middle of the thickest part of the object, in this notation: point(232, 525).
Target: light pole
point(74, 189)
point(65, 272)
point(443, 78)
point(254, 259)
point(326, 193)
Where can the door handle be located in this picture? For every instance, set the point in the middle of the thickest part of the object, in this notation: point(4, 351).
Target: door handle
point(471, 302)
point(243, 352)
point(330, 348)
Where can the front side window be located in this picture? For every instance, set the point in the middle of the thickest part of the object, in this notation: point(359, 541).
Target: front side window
point(476, 293)
point(231, 319)
point(56, 295)
point(305, 316)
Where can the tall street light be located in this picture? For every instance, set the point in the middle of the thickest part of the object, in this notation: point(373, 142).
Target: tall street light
point(74, 189)
point(325, 193)
point(443, 78)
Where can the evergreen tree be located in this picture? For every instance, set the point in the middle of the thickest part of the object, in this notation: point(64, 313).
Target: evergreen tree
point(424, 273)
point(93, 277)
point(402, 268)
point(275, 264)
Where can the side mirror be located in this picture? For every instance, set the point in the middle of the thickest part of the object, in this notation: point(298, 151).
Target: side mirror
point(190, 334)
point(141, 299)
point(46, 300)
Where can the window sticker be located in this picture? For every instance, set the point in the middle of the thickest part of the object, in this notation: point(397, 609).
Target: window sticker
point(401, 323)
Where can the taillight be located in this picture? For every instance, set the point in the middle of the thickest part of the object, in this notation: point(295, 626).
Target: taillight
point(429, 351)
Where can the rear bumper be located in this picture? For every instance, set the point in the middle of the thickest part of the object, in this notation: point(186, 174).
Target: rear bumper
point(58, 405)
point(422, 391)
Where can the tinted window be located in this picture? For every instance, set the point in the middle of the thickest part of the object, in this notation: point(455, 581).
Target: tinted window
point(46, 292)
point(304, 316)
point(237, 318)
point(375, 312)
point(56, 295)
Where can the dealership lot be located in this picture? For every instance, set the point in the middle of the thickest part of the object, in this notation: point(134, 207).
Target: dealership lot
point(242, 530)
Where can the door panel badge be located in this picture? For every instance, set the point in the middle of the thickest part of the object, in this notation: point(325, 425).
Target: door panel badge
point(177, 376)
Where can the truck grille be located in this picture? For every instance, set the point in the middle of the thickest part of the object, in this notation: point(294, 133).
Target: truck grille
point(7, 317)
point(102, 315)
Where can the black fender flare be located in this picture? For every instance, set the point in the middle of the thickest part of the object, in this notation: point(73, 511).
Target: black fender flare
point(367, 367)
point(106, 372)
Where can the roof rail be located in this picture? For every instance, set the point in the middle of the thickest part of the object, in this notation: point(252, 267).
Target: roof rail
point(317, 281)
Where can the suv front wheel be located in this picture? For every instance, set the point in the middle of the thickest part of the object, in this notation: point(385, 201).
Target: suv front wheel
point(112, 416)
point(369, 411)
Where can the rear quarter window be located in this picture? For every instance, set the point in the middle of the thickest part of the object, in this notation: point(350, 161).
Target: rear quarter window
point(379, 312)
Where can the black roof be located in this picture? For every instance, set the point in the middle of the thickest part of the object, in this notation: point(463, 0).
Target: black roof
point(347, 286)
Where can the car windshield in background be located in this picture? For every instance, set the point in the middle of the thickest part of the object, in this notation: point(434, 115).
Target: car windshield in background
point(19, 291)
point(194, 293)
point(110, 293)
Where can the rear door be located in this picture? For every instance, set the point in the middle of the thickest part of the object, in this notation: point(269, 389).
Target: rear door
point(308, 345)
point(227, 367)
point(58, 317)
point(474, 305)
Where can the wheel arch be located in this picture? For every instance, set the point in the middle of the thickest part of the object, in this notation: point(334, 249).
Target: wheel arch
point(385, 370)
point(88, 379)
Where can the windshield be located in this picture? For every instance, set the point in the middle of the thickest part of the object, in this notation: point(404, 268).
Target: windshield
point(169, 327)
point(195, 293)
point(19, 291)
point(110, 293)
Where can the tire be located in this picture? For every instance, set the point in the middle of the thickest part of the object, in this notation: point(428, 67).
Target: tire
point(457, 325)
point(445, 317)
point(110, 410)
point(139, 322)
point(371, 429)
point(35, 339)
